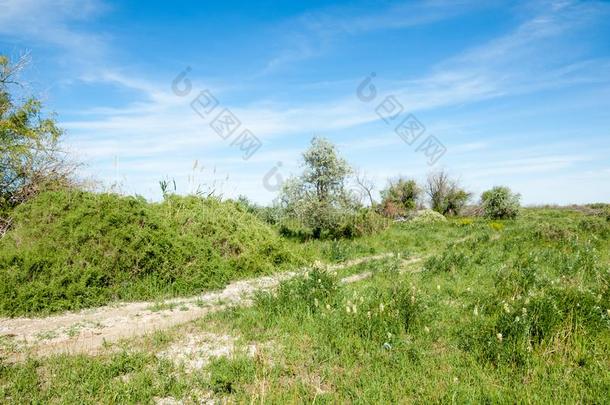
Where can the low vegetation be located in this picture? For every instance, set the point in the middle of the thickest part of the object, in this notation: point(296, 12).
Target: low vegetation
point(508, 304)
point(75, 249)
point(511, 313)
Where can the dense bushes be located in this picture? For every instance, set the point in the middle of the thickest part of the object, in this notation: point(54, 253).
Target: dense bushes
point(347, 225)
point(445, 194)
point(500, 203)
point(400, 198)
point(70, 250)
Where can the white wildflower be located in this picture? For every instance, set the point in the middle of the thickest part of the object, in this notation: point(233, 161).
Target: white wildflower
point(499, 336)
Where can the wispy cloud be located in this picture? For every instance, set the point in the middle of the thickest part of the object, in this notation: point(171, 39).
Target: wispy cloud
point(51, 22)
point(313, 33)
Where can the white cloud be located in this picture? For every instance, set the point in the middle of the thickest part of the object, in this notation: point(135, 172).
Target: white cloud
point(160, 135)
point(313, 33)
point(50, 22)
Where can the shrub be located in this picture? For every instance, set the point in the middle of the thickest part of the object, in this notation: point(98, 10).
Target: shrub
point(71, 250)
point(446, 196)
point(293, 228)
point(364, 222)
point(500, 203)
point(400, 197)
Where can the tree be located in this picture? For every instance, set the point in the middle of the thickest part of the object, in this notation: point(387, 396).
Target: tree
point(445, 194)
point(30, 159)
point(325, 172)
point(400, 197)
point(318, 197)
point(500, 203)
point(366, 185)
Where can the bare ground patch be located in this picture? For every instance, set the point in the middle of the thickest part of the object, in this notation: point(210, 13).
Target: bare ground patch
point(90, 330)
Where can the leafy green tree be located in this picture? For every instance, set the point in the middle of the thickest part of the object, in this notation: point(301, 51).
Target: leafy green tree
point(500, 203)
point(445, 194)
point(29, 155)
point(318, 197)
point(400, 197)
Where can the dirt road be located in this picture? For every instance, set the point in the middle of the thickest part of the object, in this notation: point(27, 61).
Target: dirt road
point(89, 330)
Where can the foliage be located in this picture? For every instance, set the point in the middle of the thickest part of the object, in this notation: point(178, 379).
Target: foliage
point(445, 194)
point(363, 222)
point(70, 250)
point(400, 197)
point(500, 203)
point(520, 315)
point(318, 198)
point(30, 158)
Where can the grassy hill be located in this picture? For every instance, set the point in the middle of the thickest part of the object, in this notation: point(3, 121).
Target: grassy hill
point(74, 249)
point(495, 312)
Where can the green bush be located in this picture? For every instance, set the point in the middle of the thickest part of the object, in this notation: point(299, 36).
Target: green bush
point(400, 197)
point(293, 228)
point(71, 250)
point(500, 203)
point(364, 222)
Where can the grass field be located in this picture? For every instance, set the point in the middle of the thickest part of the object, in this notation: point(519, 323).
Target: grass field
point(504, 311)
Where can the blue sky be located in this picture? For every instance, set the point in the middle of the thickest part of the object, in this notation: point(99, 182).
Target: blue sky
point(517, 93)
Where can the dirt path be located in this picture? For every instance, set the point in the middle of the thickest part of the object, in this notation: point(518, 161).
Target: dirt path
point(89, 330)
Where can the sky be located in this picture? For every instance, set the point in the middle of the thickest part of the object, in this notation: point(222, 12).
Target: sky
point(226, 96)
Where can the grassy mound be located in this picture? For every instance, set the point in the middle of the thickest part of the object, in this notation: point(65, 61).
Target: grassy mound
point(428, 216)
point(71, 250)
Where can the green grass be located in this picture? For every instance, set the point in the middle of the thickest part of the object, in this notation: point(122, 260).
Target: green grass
point(509, 311)
point(71, 250)
point(512, 315)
